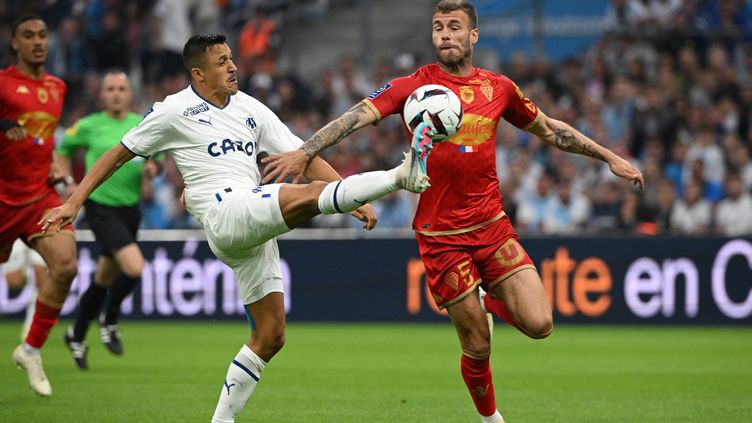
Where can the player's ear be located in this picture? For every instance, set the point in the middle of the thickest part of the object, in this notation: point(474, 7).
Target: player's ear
point(474, 34)
point(197, 74)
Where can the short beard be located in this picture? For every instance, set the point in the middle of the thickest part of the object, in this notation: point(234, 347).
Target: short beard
point(454, 65)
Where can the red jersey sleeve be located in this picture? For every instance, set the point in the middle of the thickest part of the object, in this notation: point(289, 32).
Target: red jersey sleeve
point(390, 98)
point(521, 111)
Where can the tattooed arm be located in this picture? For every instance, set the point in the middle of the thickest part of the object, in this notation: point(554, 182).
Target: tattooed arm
point(564, 137)
point(294, 163)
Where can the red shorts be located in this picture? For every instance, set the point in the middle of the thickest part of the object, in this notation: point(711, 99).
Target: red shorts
point(456, 264)
point(21, 222)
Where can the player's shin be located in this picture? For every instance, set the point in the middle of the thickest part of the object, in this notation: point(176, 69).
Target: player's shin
point(88, 308)
point(44, 319)
point(352, 192)
point(242, 376)
point(122, 286)
point(477, 376)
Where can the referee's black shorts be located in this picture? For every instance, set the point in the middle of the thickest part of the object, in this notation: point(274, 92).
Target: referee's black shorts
point(113, 227)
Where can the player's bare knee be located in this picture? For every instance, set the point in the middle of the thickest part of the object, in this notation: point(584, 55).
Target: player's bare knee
point(278, 342)
point(540, 328)
point(477, 344)
point(64, 270)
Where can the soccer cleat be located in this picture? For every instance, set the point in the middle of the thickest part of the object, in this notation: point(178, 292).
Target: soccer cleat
point(413, 169)
point(110, 335)
point(78, 350)
point(32, 363)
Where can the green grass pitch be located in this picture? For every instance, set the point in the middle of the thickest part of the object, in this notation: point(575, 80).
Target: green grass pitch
point(173, 372)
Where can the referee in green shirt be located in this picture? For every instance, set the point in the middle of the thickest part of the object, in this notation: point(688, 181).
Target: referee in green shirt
point(112, 212)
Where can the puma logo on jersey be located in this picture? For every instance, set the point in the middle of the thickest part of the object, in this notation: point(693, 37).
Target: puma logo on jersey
point(217, 149)
point(206, 121)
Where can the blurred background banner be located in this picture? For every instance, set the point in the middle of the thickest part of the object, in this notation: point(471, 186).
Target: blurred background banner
point(589, 280)
point(554, 29)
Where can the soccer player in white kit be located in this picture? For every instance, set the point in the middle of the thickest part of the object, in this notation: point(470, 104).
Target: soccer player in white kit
point(215, 133)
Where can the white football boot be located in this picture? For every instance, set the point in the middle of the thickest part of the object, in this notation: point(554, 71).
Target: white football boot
point(32, 363)
point(412, 172)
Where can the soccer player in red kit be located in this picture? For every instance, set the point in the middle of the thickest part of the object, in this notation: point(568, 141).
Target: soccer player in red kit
point(465, 239)
point(30, 105)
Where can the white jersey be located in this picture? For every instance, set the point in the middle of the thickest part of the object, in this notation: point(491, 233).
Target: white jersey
point(214, 148)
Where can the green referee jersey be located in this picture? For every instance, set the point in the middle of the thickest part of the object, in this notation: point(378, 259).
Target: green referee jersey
point(97, 133)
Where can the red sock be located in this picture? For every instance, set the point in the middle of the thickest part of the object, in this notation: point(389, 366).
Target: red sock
point(45, 318)
point(477, 376)
point(498, 309)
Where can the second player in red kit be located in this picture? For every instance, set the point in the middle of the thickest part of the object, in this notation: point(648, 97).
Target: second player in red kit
point(31, 102)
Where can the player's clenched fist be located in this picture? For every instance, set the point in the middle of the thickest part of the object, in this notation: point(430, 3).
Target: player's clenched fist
point(61, 216)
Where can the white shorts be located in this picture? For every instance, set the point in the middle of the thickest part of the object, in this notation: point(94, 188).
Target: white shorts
point(22, 257)
point(241, 230)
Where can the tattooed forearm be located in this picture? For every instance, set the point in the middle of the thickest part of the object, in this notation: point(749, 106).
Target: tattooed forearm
point(568, 141)
point(335, 131)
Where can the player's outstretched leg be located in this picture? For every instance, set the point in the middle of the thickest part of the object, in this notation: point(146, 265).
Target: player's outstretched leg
point(350, 193)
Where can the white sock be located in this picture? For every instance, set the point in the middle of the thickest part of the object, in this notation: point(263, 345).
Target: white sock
point(493, 418)
point(242, 378)
point(354, 191)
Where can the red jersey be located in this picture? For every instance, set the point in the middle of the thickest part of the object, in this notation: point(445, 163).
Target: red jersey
point(464, 193)
point(35, 105)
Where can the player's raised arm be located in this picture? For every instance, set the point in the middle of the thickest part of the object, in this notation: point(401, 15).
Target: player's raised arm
point(564, 137)
point(101, 171)
point(294, 163)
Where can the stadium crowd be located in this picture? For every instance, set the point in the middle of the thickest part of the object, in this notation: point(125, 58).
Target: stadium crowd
point(669, 86)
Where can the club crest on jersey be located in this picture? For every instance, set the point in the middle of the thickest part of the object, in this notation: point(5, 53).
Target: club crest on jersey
point(250, 122)
point(467, 94)
point(217, 149)
point(379, 91)
point(194, 110)
point(42, 95)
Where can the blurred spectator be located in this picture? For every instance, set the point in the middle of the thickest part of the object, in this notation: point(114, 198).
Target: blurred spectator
point(257, 37)
point(565, 212)
point(174, 29)
point(733, 214)
point(349, 85)
point(533, 206)
point(691, 215)
point(666, 199)
point(653, 119)
point(705, 149)
point(110, 47)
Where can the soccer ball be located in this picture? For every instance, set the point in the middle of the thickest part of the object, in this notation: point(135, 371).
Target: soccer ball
point(436, 105)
